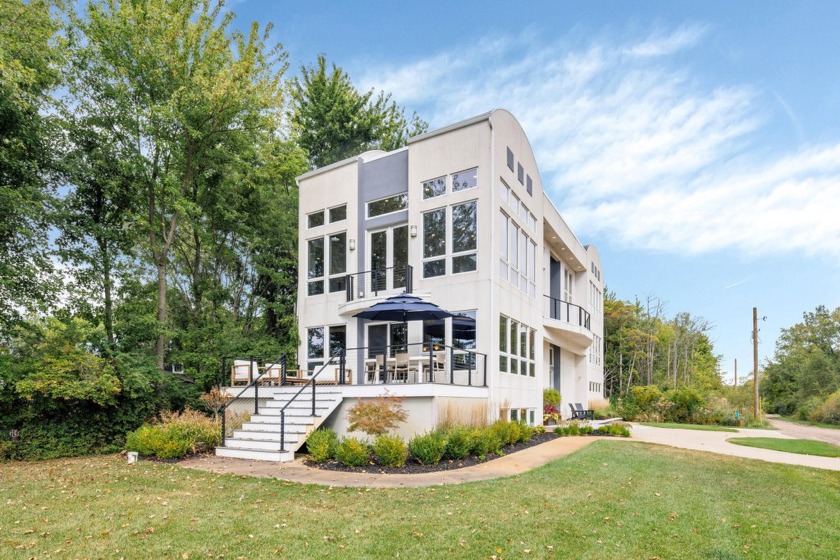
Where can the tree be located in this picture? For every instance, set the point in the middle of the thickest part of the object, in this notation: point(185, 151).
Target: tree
point(185, 99)
point(334, 121)
point(29, 62)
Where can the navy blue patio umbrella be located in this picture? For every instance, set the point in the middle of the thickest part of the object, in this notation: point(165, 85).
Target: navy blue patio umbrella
point(403, 308)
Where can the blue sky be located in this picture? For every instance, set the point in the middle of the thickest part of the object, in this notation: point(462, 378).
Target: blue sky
point(695, 143)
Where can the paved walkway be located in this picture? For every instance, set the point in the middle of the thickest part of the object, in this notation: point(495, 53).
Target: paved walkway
point(715, 442)
point(297, 471)
point(804, 431)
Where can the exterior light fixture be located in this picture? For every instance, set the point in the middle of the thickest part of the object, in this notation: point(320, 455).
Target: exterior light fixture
point(413, 231)
point(352, 244)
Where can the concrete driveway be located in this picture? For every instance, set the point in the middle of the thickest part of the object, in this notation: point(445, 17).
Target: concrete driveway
point(803, 431)
point(715, 442)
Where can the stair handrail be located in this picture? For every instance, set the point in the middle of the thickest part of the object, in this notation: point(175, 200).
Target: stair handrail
point(337, 354)
point(281, 361)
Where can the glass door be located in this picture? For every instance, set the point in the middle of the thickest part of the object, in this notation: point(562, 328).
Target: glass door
point(388, 258)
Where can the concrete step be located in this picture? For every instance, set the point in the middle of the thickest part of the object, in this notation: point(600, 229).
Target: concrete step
point(291, 427)
point(298, 404)
point(295, 410)
point(291, 437)
point(261, 444)
point(255, 454)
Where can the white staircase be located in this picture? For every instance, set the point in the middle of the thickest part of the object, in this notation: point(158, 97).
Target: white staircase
point(259, 439)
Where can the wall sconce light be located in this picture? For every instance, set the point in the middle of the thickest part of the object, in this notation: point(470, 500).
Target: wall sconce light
point(413, 231)
point(352, 244)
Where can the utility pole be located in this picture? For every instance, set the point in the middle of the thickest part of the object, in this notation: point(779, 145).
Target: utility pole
point(736, 372)
point(755, 359)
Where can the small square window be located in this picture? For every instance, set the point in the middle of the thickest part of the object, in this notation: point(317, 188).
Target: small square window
point(434, 187)
point(529, 185)
point(510, 159)
point(520, 173)
point(315, 219)
point(338, 213)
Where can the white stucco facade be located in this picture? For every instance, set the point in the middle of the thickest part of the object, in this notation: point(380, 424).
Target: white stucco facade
point(464, 208)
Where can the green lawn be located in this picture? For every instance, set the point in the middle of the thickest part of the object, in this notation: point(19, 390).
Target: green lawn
point(801, 446)
point(704, 427)
point(809, 423)
point(610, 500)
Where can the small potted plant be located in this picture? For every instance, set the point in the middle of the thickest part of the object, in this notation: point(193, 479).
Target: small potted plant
point(551, 414)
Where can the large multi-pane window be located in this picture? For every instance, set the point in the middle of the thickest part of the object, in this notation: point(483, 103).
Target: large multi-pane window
point(517, 255)
point(387, 205)
point(319, 349)
point(336, 249)
point(517, 347)
point(387, 339)
point(461, 244)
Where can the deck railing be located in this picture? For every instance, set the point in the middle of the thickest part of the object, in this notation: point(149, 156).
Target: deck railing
point(370, 283)
point(567, 312)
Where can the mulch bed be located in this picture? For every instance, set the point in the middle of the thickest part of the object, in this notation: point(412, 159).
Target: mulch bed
point(413, 467)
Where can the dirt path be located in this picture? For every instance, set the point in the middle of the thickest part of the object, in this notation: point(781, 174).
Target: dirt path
point(803, 431)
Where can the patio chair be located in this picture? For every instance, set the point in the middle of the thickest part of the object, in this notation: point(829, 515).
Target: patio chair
point(400, 371)
point(377, 373)
point(271, 375)
point(242, 372)
point(579, 413)
point(438, 366)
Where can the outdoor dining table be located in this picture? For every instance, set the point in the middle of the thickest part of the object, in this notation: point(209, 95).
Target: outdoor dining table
point(415, 366)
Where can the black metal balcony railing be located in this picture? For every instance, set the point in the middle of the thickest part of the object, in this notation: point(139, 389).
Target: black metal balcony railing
point(567, 312)
point(370, 283)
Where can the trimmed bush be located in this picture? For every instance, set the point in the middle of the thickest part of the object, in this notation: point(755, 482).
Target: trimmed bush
point(176, 435)
point(484, 441)
point(458, 443)
point(322, 445)
point(526, 432)
point(616, 429)
point(507, 432)
point(353, 452)
point(390, 451)
point(428, 449)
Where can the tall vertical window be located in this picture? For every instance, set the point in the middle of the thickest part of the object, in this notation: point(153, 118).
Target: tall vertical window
point(529, 185)
point(520, 173)
point(314, 348)
point(315, 266)
point(338, 261)
point(503, 245)
point(532, 269)
point(510, 159)
point(434, 243)
point(568, 279)
point(464, 230)
point(503, 346)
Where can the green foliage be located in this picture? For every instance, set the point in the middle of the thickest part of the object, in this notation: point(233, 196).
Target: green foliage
point(353, 452)
point(551, 397)
point(29, 70)
point(333, 120)
point(175, 435)
point(377, 415)
point(827, 412)
point(805, 369)
point(616, 429)
point(429, 448)
point(687, 401)
point(526, 432)
point(458, 443)
point(390, 450)
point(322, 445)
point(507, 432)
point(484, 441)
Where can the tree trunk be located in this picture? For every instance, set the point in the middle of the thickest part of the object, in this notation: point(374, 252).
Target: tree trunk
point(160, 346)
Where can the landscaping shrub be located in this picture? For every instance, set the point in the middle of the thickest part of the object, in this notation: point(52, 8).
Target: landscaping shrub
point(484, 441)
point(507, 432)
point(586, 430)
point(353, 452)
point(377, 415)
point(390, 451)
point(687, 401)
point(322, 445)
point(428, 449)
point(175, 435)
point(458, 443)
point(616, 429)
point(526, 432)
point(717, 410)
point(829, 411)
point(539, 430)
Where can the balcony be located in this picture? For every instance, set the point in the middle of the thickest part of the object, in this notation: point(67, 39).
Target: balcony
point(363, 289)
point(567, 325)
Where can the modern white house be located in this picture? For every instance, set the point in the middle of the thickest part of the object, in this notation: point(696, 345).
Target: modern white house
point(458, 218)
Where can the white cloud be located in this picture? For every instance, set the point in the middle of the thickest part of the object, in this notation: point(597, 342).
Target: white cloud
point(632, 145)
